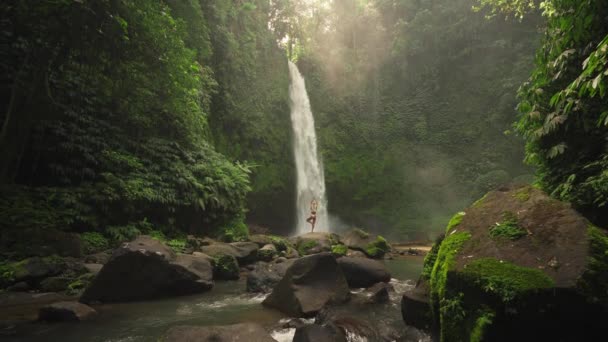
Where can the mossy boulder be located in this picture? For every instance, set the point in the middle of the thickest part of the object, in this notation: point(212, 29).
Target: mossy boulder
point(517, 265)
point(374, 246)
point(313, 243)
point(267, 253)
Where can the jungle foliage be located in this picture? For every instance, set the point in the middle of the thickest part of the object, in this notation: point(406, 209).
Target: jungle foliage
point(105, 119)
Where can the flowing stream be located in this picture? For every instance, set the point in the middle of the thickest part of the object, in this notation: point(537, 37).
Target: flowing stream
point(226, 303)
point(310, 176)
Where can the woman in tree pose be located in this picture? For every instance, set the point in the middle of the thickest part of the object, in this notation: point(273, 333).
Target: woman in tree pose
point(313, 214)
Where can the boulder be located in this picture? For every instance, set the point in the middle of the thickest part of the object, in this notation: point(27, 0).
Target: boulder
point(308, 285)
point(362, 272)
point(415, 307)
point(245, 332)
point(65, 311)
point(21, 286)
point(37, 268)
point(265, 276)
point(521, 266)
point(147, 269)
point(312, 243)
point(244, 252)
point(319, 333)
point(267, 253)
point(377, 293)
point(374, 246)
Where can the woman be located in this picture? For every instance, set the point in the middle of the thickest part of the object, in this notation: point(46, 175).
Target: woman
point(313, 214)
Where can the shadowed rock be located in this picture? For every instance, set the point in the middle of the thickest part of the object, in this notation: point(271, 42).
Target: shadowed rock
point(308, 285)
point(362, 272)
point(146, 269)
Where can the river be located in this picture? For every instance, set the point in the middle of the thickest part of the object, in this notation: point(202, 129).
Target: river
point(227, 303)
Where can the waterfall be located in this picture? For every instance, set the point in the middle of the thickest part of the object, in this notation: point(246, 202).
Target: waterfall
point(310, 178)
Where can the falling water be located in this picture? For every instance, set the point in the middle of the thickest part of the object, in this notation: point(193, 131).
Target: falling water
point(310, 177)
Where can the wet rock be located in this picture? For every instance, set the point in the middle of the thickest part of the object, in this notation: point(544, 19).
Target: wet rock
point(246, 332)
point(265, 276)
point(377, 293)
point(415, 307)
point(267, 253)
point(362, 272)
point(308, 285)
point(66, 311)
point(146, 269)
point(247, 252)
point(290, 253)
point(319, 333)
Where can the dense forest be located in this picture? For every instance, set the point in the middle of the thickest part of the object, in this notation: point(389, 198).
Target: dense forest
point(171, 119)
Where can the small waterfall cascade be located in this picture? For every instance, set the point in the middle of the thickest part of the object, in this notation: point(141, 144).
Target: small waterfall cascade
point(310, 177)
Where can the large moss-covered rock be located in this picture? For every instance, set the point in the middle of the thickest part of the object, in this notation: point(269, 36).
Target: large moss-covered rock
point(145, 269)
point(518, 265)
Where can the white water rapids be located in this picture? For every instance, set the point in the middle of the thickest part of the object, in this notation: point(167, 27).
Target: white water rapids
point(310, 177)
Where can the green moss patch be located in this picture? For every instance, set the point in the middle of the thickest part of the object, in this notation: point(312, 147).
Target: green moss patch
point(482, 323)
point(225, 267)
point(594, 282)
point(306, 246)
point(429, 259)
point(454, 221)
point(93, 242)
point(444, 261)
point(504, 279)
point(280, 243)
point(508, 228)
point(377, 248)
point(523, 194)
point(339, 250)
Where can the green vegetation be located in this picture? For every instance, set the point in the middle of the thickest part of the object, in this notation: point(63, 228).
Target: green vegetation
point(430, 258)
point(94, 242)
point(306, 246)
point(505, 280)
point(594, 282)
point(361, 233)
point(564, 112)
point(234, 232)
point(225, 267)
point(523, 194)
point(454, 221)
point(377, 248)
point(444, 261)
point(508, 228)
point(280, 243)
point(481, 325)
point(339, 250)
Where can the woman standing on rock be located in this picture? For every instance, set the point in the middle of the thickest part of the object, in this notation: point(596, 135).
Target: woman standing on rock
point(313, 214)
